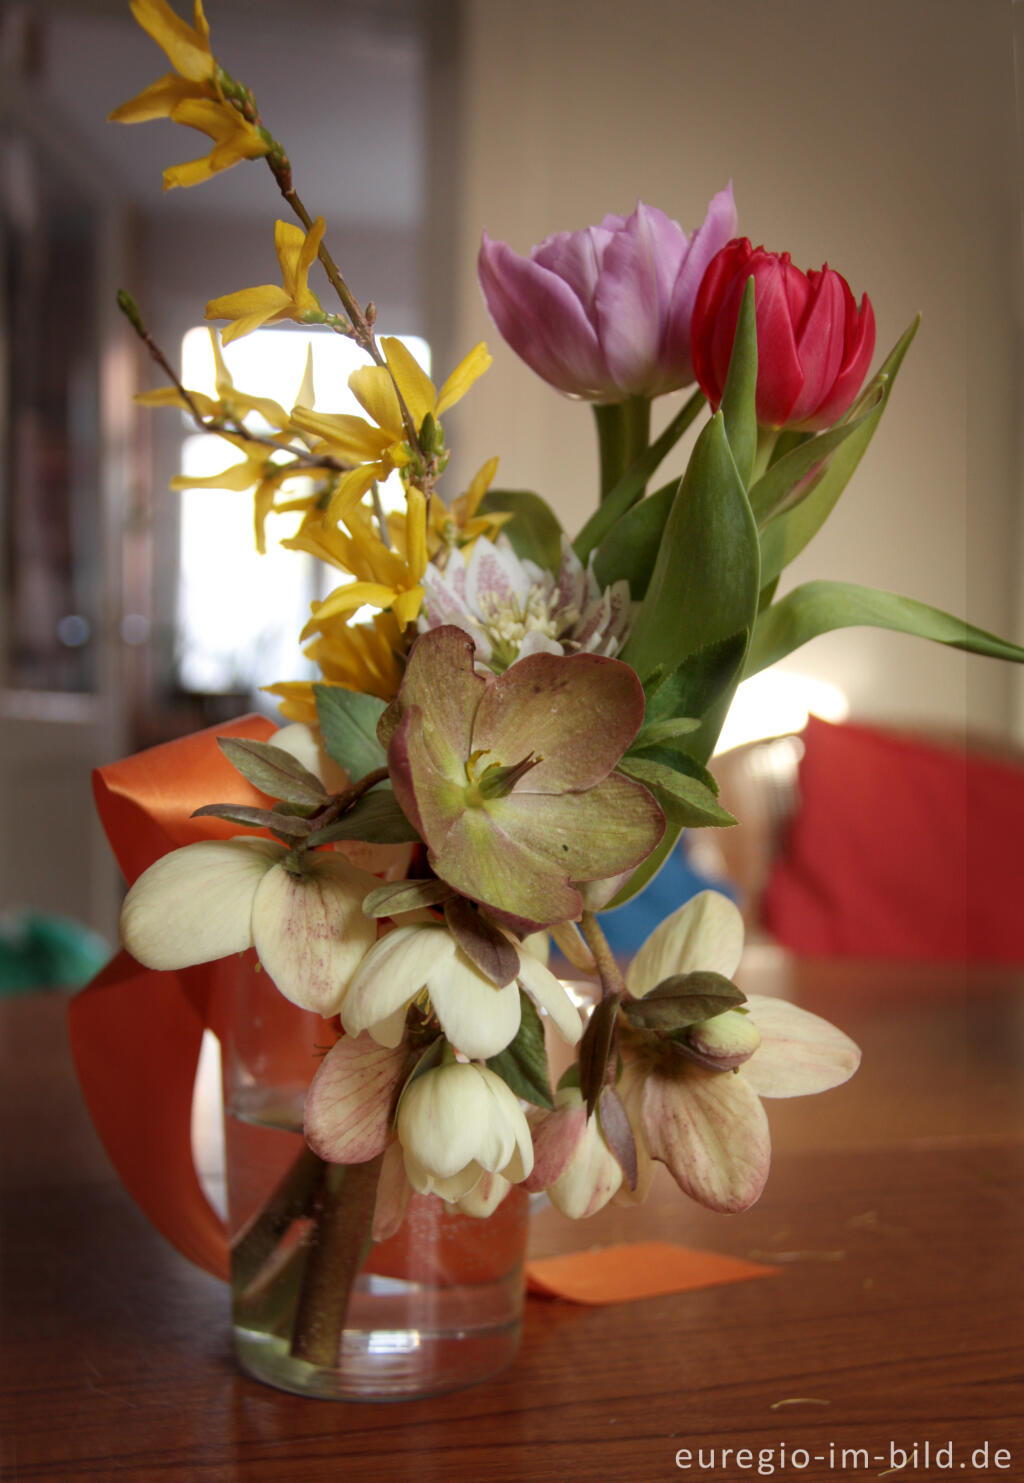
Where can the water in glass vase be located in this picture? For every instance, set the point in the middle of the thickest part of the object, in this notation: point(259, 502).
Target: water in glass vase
point(435, 1307)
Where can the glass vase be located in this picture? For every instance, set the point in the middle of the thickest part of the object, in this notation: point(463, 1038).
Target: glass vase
point(317, 1307)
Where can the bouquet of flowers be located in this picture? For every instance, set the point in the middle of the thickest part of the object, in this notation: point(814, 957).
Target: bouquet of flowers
point(514, 723)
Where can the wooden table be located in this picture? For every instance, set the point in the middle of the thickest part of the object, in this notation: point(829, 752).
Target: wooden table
point(893, 1208)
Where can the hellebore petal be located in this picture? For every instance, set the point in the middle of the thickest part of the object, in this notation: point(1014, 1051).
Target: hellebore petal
point(710, 1129)
point(587, 834)
point(469, 766)
point(457, 1121)
point(800, 1053)
point(577, 714)
point(441, 682)
point(195, 904)
point(485, 1196)
point(309, 931)
point(549, 995)
point(521, 888)
point(392, 974)
point(351, 1100)
point(705, 934)
point(572, 1162)
point(478, 1018)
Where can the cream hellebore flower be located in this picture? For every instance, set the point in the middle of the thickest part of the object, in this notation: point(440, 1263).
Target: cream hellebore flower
point(477, 1017)
point(510, 781)
point(350, 1114)
point(572, 1162)
point(217, 897)
point(458, 1123)
point(707, 1125)
point(511, 607)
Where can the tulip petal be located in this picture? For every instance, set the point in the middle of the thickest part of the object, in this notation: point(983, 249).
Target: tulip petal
point(717, 228)
point(800, 1053)
point(820, 342)
point(632, 296)
point(309, 931)
point(705, 934)
point(195, 904)
point(710, 1130)
point(393, 972)
point(477, 1017)
point(577, 714)
point(544, 322)
point(351, 1099)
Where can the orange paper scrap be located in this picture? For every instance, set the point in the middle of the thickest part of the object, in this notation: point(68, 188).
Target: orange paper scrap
point(648, 1269)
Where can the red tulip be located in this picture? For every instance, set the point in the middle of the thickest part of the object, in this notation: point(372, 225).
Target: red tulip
point(814, 345)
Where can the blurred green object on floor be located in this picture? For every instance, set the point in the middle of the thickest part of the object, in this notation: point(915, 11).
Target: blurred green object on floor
point(39, 951)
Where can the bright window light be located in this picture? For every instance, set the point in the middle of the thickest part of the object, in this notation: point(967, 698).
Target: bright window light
point(239, 614)
point(776, 703)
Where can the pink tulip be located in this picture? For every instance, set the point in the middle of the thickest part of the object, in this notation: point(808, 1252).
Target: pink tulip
point(814, 345)
point(604, 313)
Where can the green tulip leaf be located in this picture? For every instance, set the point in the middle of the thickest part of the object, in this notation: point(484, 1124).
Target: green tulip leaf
point(698, 683)
point(788, 532)
point(534, 531)
point(706, 581)
point(631, 486)
point(821, 607)
point(630, 549)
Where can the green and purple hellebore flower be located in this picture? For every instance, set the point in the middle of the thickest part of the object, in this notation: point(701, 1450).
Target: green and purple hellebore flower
point(509, 780)
point(604, 313)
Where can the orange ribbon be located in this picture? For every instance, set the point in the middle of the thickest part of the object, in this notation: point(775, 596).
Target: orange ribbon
point(136, 1034)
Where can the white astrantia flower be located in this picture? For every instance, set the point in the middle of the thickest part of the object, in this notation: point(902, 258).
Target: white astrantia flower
point(458, 1123)
point(478, 1018)
point(511, 607)
point(707, 1125)
point(217, 897)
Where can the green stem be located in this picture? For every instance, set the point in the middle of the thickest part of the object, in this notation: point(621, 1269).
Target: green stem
point(343, 1216)
point(623, 434)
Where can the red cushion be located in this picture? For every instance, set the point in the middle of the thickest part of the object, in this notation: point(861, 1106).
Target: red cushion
point(900, 849)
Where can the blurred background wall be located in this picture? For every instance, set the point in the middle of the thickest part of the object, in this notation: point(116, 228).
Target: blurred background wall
point(882, 137)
